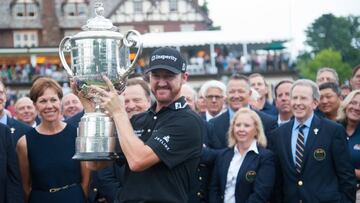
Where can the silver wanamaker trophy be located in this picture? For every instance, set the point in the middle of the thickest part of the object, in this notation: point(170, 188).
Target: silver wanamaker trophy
point(100, 49)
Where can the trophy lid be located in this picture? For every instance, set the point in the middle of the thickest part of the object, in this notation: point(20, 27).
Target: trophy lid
point(99, 22)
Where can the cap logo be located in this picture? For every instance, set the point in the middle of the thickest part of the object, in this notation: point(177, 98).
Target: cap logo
point(163, 57)
point(183, 67)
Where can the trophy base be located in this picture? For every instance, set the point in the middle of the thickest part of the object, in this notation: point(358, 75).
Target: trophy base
point(95, 156)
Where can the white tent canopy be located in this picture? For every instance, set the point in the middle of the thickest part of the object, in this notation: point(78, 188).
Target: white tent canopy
point(198, 38)
point(211, 38)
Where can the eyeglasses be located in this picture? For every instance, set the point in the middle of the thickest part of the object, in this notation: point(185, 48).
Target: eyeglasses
point(216, 97)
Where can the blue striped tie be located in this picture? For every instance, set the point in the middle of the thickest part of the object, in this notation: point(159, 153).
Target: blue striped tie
point(300, 147)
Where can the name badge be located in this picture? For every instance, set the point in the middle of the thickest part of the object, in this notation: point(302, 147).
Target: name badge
point(250, 176)
point(319, 154)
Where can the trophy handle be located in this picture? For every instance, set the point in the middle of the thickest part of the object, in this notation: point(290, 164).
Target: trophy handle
point(131, 42)
point(62, 48)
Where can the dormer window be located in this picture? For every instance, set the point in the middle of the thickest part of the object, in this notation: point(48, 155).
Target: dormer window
point(173, 5)
point(138, 6)
point(75, 8)
point(25, 9)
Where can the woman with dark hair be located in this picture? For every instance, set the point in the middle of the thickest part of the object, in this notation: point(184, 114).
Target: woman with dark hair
point(49, 173)
point(244, 172)
point(349, 116)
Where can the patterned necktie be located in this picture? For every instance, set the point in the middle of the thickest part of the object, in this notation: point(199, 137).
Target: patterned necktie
point(300, 147)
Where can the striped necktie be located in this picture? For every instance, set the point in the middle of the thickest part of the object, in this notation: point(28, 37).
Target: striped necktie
point(300, 148)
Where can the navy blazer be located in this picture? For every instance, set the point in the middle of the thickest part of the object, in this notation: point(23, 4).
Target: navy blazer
point(75, 119)
point(218, 139)
point(327, 173)
point(10, 181)
point(255, 180)
point(17, 129)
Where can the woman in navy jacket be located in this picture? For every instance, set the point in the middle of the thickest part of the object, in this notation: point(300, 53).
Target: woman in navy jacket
point(244, 172)
point(349, 116)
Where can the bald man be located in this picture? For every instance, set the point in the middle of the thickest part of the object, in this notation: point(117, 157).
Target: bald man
point(190, 95)
point(25, 111)
point(71, 105)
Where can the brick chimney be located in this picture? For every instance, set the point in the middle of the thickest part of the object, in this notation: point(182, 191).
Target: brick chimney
point(50, 34)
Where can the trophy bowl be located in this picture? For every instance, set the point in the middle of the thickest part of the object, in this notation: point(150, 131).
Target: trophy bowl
point(96, 51)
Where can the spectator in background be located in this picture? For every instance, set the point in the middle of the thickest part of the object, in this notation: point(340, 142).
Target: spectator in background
point(282, 101)
point(349, 116)
point(200, 104)
point(355, 79)
point(238, 94)
point(25, 111)
point(345, 90)
point(214, 93)
point(17, 128)
point(327, 75)
point(71, 105)
point(190, 95)
point(329, 99)
point(137, 96)
point(257, 81)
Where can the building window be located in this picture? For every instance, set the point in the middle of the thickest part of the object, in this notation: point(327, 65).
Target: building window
point(156, 28)
point(75, 8)
point(26, 39)
point(187, 27)
point(173, 5)
point(138, 6)
point(25, 9)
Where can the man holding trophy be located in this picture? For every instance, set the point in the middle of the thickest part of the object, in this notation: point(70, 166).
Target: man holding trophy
point(162, 146)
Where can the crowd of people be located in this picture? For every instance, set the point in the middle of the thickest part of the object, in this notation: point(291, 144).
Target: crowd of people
point(223, 143)
point(28, 72)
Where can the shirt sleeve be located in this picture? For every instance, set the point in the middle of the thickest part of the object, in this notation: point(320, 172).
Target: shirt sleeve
point(177, 140)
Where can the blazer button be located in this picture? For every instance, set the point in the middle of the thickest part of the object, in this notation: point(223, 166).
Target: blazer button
point(95, 189)
point(200, 178)
point(198, 194)
point(300, 183)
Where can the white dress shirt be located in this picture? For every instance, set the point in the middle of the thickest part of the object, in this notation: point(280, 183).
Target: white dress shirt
point(235, 164)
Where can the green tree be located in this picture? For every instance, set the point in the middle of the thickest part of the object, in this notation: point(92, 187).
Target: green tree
point(325, 58)
point(337, 33)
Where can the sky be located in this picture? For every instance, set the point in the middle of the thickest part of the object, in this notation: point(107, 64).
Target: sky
point(276, 18)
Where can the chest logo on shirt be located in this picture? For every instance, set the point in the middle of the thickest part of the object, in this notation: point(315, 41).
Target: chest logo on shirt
point(250, 176)
point(319, 154)
point(164, 141)
point(178, 105)
point(357, 147)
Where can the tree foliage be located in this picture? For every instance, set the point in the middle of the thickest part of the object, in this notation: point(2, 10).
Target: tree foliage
point(325, 58)
point(337, 33)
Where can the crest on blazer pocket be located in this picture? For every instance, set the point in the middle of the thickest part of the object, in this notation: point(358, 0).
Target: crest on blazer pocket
point(319, 154)
point(250, 176)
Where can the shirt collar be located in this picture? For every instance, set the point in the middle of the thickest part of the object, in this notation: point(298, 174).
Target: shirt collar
point(231, 113)
point(253, 147)
point(3, 119)
point(307, 123)
point(180, 103)
point(280, 122)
